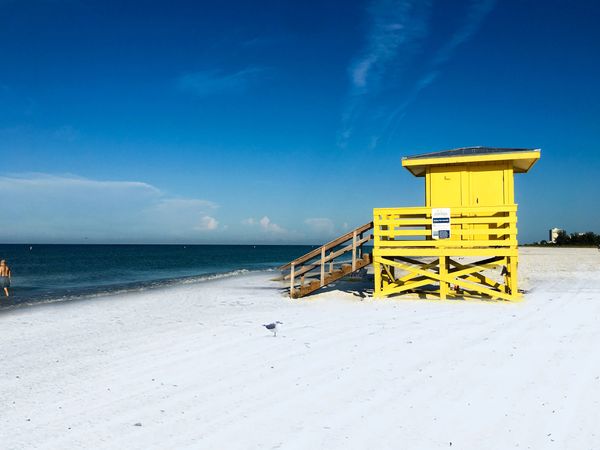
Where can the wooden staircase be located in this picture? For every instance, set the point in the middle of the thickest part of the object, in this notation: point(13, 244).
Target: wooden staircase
point(319, 267)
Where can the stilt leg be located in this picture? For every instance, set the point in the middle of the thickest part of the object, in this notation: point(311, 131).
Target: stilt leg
point(506, 274)
point(512, 270)
point(377, 273)
point(443, 273)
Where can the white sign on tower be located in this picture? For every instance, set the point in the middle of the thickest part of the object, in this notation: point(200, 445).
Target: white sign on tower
point(440, 223)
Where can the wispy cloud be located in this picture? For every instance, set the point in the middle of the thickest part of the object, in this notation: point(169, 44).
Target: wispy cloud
point(214, 82)
point(67, 208)
point(476, 13)
point(396, 28)
point(396, 33)
point(39, 181)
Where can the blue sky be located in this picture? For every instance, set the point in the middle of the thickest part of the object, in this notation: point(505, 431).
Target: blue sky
point(283, 122)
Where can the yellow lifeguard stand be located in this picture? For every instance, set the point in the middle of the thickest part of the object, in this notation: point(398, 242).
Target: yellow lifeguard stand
point(467, 228)
point(462, 243)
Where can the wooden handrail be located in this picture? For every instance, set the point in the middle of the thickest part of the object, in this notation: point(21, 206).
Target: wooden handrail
point(319, 258)
point(328, 246)
point(308, 267)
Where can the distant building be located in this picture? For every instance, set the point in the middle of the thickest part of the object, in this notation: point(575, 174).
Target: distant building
point(553, 234)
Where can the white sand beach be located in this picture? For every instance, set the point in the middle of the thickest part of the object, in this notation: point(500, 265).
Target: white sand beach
point(191, 367)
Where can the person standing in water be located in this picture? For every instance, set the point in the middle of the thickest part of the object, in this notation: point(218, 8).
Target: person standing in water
point(4, 276)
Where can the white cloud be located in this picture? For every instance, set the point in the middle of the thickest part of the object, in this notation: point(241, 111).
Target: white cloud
point(264, 224)
point(211, 82)
point(67, 208)
point(267, 225)
point(321, 225)
point(208, 223)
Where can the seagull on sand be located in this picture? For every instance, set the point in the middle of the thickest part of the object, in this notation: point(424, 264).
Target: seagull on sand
point(273, 327)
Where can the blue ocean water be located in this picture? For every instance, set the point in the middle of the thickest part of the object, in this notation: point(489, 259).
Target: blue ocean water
point(42, 273)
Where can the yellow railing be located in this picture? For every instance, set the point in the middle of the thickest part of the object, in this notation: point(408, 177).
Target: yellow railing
point(483, 230)
point(406, 257)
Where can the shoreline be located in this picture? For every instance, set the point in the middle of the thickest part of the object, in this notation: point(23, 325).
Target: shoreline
point(56, 272)
point(94, 292)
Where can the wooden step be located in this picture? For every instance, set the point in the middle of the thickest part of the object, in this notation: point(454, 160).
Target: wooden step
point(319, 263)
point(346, 269)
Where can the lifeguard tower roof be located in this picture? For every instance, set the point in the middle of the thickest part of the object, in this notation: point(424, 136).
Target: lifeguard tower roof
point(522, 158)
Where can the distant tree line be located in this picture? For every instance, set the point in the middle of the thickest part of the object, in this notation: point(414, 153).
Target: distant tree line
point(588, 239)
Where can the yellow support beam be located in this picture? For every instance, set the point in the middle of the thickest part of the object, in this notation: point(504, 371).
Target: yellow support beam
point(401, 235)
point(377, 292)
point(512, 270)
point(445, 278)
point(444, 285)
